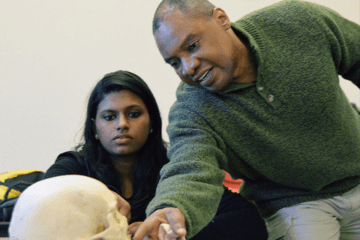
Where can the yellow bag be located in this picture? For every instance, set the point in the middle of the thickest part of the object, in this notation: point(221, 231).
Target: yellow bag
point(11, 185)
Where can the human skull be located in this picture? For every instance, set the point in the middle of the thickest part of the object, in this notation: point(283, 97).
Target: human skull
point(70, 207)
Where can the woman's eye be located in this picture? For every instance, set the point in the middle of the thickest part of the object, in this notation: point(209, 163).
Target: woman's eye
point(109, 117)
point(134, 114)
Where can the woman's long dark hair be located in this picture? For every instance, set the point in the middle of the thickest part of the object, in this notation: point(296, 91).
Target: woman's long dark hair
point(152, 155)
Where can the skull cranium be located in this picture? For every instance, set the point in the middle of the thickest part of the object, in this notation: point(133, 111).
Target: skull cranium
point(67, 207)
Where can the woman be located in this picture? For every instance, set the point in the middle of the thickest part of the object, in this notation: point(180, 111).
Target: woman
point(123, 148)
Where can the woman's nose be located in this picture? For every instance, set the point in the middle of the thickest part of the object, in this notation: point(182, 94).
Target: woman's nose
point(122, 123)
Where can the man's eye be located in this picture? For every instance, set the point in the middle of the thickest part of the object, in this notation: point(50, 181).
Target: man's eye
point(193, 46)
point(174, 64)
point(109, 117)
point(134, 114)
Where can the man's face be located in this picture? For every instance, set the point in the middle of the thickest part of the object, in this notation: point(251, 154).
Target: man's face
point(201, 50)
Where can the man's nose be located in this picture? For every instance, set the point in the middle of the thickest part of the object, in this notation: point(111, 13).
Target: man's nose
point(189, 67)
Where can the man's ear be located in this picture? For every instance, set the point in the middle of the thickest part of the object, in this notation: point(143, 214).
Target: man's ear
point(221, 17)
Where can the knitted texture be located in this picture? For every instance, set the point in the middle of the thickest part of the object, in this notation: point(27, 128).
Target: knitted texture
point(292, 135)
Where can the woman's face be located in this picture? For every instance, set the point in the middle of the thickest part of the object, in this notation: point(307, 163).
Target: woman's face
point(122, 124)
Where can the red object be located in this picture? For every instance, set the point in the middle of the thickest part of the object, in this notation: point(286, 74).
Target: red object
point(233, 185)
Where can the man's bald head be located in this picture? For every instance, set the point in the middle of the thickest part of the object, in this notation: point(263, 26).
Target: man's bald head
point(191, 8)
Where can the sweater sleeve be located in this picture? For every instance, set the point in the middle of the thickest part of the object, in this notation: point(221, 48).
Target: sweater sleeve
point(192, 180)
point(344, 39)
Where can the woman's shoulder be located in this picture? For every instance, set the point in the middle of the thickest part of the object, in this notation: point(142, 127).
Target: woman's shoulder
point(70, 162)
point(71, 155)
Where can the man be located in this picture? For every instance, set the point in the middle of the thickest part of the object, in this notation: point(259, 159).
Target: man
point(261, 99)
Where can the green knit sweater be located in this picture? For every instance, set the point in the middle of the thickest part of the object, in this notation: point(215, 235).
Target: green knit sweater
point(292, 135)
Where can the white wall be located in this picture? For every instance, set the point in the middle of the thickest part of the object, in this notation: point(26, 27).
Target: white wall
point(53, 52)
